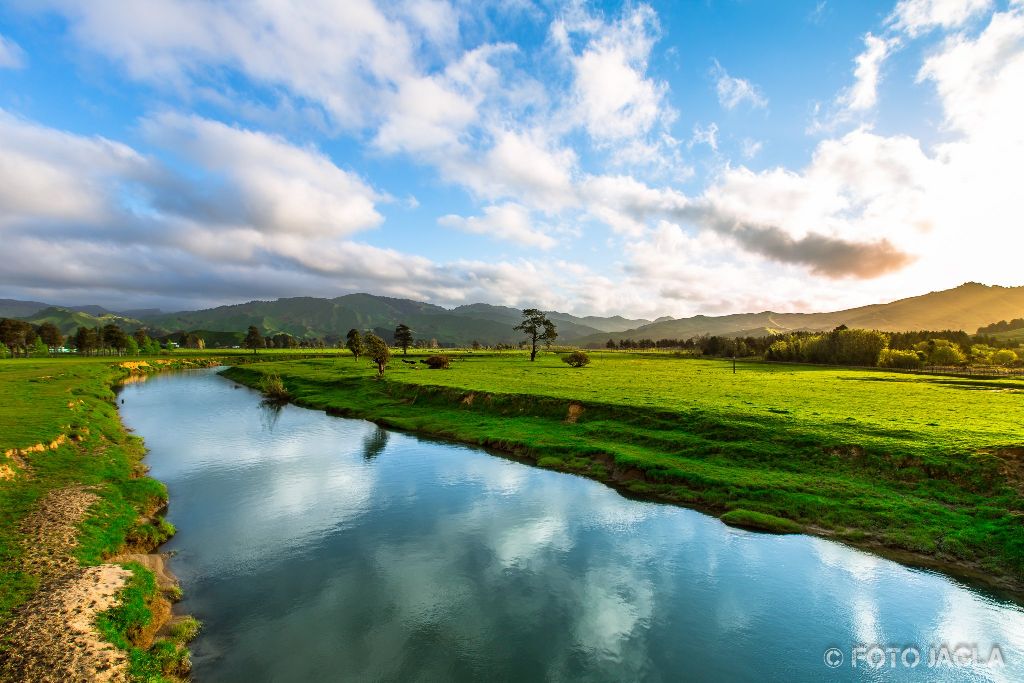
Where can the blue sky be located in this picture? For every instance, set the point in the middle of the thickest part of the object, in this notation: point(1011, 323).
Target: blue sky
point(645, 159)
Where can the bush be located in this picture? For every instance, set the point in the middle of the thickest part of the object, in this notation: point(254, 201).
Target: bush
point(893, 358)
point(576, 359)
point(272, 386)
point(438, 362)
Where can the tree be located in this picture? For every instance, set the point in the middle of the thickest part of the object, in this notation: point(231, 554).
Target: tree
point(17, 335)
point(132, 346)
point(86, 340)
point(51, 336)
point(4, 351)
point(475, 345)
point(610, 344)
point(39, 348)
point(1004, 357)
point(536, 327)
point(253, 339)
point(114, 337)
point(354, 343)
point(403, 338)
point(944, 354)
point(378, 351)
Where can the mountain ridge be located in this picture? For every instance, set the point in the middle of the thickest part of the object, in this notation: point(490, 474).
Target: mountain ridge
point(966, 307)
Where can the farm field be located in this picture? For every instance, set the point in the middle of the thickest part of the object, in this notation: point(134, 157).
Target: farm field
point(922, 467)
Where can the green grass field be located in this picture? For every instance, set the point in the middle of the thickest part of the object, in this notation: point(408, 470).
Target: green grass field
point(923, 464)
point(60, 416)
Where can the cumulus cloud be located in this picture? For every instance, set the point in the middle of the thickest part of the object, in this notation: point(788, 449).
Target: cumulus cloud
point(11, 54)
point(508, 221)
point(262, 181)
point(914, 17)
point(734, 91)
point(615, 99)
point(51, 176)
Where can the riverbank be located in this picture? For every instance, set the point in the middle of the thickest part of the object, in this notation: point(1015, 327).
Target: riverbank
point(77, 513)
point(768, 447)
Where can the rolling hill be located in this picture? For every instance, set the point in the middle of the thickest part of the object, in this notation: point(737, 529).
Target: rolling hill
point(67, 321)
point(332, 318)
point(966, 307)
point(12, 308)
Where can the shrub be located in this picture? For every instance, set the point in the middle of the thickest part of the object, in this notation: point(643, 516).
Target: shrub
point(576, 359)
point(438, 362)
point(272, 386)
point(893, 358)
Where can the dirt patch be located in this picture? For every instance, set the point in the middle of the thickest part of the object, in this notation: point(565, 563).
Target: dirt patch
point(1012, 466)
point(630, 474)
point(467, 400)
point(50, 531)
point(156, 563)
point(573, 413)
point(53, 636)
point(848, 452)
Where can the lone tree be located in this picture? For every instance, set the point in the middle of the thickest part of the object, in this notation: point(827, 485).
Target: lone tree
point(377, 350)
point(253, 339)
point(403, 338)
point(536, 327)
point(354, 343)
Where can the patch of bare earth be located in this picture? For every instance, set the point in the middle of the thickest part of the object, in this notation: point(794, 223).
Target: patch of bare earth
point(53, 636)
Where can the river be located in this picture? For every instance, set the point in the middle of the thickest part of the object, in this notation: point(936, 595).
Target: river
point(320, 548)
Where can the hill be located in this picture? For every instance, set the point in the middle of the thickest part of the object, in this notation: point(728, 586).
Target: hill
point(332, 318)
point(12, 308)
point(68, 321)
point(966, 307)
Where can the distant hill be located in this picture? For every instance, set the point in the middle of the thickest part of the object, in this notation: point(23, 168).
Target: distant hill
point(312, 317)
point(966, 307)
point(12, 308)
point(68, 321)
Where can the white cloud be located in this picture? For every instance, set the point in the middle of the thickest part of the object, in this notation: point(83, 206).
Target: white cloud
point(337, 54)
point(51, 175)
point(734, 91)
point(863, 94)
point(615, 100)
point(705, 135)
point(270, 184)
point(751, 148)
point(915, 17)
point(522, 165)
point(11, 54)
point(508, 221)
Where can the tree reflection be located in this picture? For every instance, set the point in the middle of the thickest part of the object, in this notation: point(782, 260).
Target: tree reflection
point(375, 443)
point(270, 413)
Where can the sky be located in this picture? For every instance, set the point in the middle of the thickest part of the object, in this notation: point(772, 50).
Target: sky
point(645, 159)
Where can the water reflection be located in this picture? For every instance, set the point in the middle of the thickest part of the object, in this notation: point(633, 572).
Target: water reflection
point(311, 558)
point(374, 443)
point(270, 412)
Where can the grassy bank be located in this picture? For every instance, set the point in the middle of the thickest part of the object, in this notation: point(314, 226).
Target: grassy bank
point(60, 431)
point(925, 468)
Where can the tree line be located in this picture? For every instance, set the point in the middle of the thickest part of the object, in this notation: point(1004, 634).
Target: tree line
point(844, 346)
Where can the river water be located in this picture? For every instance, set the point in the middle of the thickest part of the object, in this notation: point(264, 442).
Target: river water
point(317, 548)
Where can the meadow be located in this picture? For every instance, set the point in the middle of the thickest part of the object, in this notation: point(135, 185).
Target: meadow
point(60, 434)
point(924, 468)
